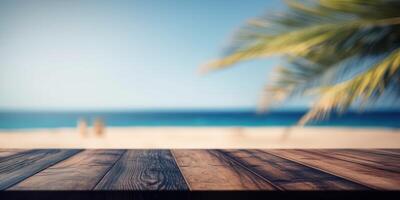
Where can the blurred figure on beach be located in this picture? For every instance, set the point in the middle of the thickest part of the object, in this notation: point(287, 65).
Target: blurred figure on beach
point(98, 127)
point(82, 127)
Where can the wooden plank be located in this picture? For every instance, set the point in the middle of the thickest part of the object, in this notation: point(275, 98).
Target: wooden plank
point(79, 172)
point(396, 151)
point(211, 170)
point(22, 165)
point(144, 170)
point(370, 158)
point(4, 153)
point(372, 177)
point(289, 175)
point(389, 152)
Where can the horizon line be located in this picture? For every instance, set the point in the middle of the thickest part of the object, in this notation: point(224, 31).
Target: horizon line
point(167, 110)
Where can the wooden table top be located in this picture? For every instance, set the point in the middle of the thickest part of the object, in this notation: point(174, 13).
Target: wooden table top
point(222, 169)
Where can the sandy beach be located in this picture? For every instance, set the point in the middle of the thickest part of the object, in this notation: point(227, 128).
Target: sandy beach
point(205, 137)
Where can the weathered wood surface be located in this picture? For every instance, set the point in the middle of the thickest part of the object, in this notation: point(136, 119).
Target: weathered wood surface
point(349, 168)
point(376, 160)
point(17, 167)
point(390, 152)
point(80, 172)
point(294, 169)
point(211, 170)
point(8, 152)
point(289, 175)
point(144, 170)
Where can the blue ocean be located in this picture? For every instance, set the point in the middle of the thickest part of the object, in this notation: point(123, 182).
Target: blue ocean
point(31, 120)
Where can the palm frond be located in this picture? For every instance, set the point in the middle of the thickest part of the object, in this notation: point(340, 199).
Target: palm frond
point(370, 84)
point(322, 40)
point(301, 42)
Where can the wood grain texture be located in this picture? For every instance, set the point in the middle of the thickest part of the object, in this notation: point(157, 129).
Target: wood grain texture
point(79, 172)
point(368, 158)
point(144, 170)
point(289, 175)
point(4, 153)
point(211, 170)
point(388, 152)
point(353, 170)
point(295, 169)
point(16, 168)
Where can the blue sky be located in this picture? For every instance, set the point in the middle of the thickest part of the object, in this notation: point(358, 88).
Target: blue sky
point(126, 54)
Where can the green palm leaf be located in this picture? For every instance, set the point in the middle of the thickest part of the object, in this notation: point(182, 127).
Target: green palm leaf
point(369, 84)
point(322, 42)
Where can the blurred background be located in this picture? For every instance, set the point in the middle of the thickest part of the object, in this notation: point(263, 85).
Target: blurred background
point(84, 63)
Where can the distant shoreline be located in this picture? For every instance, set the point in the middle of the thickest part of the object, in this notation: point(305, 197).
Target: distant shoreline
point(205, 137)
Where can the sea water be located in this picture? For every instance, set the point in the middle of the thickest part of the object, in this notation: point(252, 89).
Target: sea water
point(29, 120)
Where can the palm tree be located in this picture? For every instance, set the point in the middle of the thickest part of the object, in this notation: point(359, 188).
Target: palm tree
point(341, 52)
